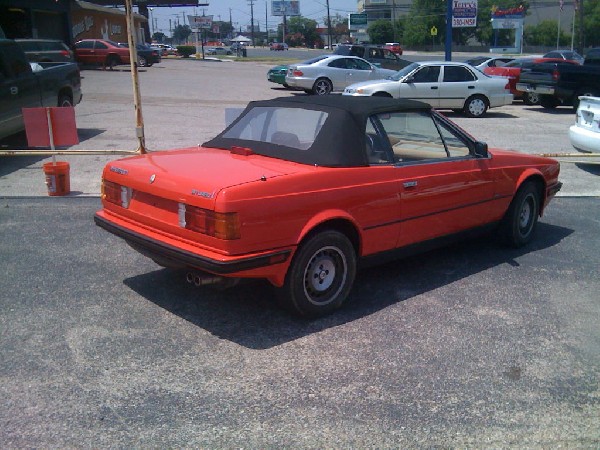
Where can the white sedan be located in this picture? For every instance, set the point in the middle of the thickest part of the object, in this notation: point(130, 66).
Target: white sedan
point(585, 134)
point(444, 85)
point(329, 73)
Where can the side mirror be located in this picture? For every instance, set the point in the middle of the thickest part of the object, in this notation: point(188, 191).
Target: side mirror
point(410, 79)
point(481, 149)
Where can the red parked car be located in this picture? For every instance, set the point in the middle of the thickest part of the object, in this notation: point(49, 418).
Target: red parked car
point(512, 71)
point(101, 52)
point(302, 190)
point(393, 47)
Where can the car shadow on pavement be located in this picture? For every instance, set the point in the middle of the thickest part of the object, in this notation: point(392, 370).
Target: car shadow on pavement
point(591, 167)
point(248, 315)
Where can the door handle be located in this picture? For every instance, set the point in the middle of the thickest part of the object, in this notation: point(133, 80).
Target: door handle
point(410, 184)
point(434, 87)
point(471, 87)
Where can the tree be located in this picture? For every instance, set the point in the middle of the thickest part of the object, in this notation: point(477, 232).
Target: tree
point(381, 31)
point(181, 33)
point(545, 33)
point(423, 15)
point(159, 37)
point(339, 28)
point(306, 28)
point(591, 23)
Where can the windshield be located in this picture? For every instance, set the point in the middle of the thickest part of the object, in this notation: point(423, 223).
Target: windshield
point(405, 71)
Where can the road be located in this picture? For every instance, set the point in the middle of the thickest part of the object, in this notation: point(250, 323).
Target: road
point(471, 346)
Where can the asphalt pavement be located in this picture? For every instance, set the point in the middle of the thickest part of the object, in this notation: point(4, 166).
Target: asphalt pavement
point(471, 346)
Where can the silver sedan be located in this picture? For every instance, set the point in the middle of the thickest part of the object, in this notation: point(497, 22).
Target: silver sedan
point(444, 85)
point(330, 73)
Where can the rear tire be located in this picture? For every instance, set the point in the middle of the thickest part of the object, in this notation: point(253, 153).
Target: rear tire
point(476, 106)
point(111, 62)
point(531, 98)
point(320, 276)
point(322, 87)
point(548, 101)
point(65, 100)
point(518, 225)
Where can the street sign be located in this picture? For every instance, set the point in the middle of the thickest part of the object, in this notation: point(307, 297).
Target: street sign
point(464, 13)
point(433, 31)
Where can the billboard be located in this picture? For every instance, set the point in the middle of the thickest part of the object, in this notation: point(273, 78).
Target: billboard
point(464, 13)
point(285, 7)
point(200, 22)
point(357, 21)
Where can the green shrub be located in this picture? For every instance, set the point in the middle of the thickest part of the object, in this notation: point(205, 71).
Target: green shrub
point(186, 50)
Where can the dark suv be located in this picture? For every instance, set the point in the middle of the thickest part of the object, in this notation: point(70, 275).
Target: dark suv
point(375, 54)
point(45, 50)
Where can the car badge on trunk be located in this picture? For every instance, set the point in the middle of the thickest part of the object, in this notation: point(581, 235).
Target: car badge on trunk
point(152, 178)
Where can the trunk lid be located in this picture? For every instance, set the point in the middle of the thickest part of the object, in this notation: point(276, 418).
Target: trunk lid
point(194, 175)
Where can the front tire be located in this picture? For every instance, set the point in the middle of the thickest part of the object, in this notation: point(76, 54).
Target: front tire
point(476, 106)
point(519, 223)
point(320, 276)
point(322, 87)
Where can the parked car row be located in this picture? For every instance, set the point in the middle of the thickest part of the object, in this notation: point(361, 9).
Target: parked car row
point(110, 54)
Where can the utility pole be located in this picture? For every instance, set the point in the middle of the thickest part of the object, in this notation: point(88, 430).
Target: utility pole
point(328, 25)
point(252, 21)
point(266, 22)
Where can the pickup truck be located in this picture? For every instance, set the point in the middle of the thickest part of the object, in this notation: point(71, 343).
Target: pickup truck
point(561, 84)
point(51, 84)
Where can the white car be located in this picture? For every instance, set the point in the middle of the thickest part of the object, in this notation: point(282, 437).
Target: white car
point(481, 62)
point(444, 85)
point(330, 73)
point(585, 134)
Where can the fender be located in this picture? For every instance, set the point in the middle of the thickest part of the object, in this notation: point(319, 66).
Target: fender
point(327, 216)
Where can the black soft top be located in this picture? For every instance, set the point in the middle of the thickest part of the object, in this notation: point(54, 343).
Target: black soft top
point(341, 140)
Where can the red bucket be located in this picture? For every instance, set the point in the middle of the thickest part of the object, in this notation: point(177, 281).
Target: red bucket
point(57, 178)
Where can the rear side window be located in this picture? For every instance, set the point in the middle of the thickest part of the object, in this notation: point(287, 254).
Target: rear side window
point(28, 46)
point(85, 44)
point(455, 74)
point(290, 127)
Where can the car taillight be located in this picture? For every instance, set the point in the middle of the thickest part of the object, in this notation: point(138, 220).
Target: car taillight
point(297, 73)
point(555, 74)
point(65, 53)
point(115, 193)
point(211, 223)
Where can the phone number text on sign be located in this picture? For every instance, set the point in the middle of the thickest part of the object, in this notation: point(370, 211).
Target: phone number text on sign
point(468, 22)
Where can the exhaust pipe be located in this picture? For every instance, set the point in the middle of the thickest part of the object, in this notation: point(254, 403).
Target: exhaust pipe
point(201, 279)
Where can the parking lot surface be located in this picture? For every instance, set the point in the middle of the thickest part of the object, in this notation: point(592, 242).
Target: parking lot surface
point(471, 346)
point(184, 103)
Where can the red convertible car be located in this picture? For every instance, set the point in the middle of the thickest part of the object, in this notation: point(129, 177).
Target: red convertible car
point(301, 191)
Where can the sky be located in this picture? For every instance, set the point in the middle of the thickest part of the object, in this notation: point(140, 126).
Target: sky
point(240, 12)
